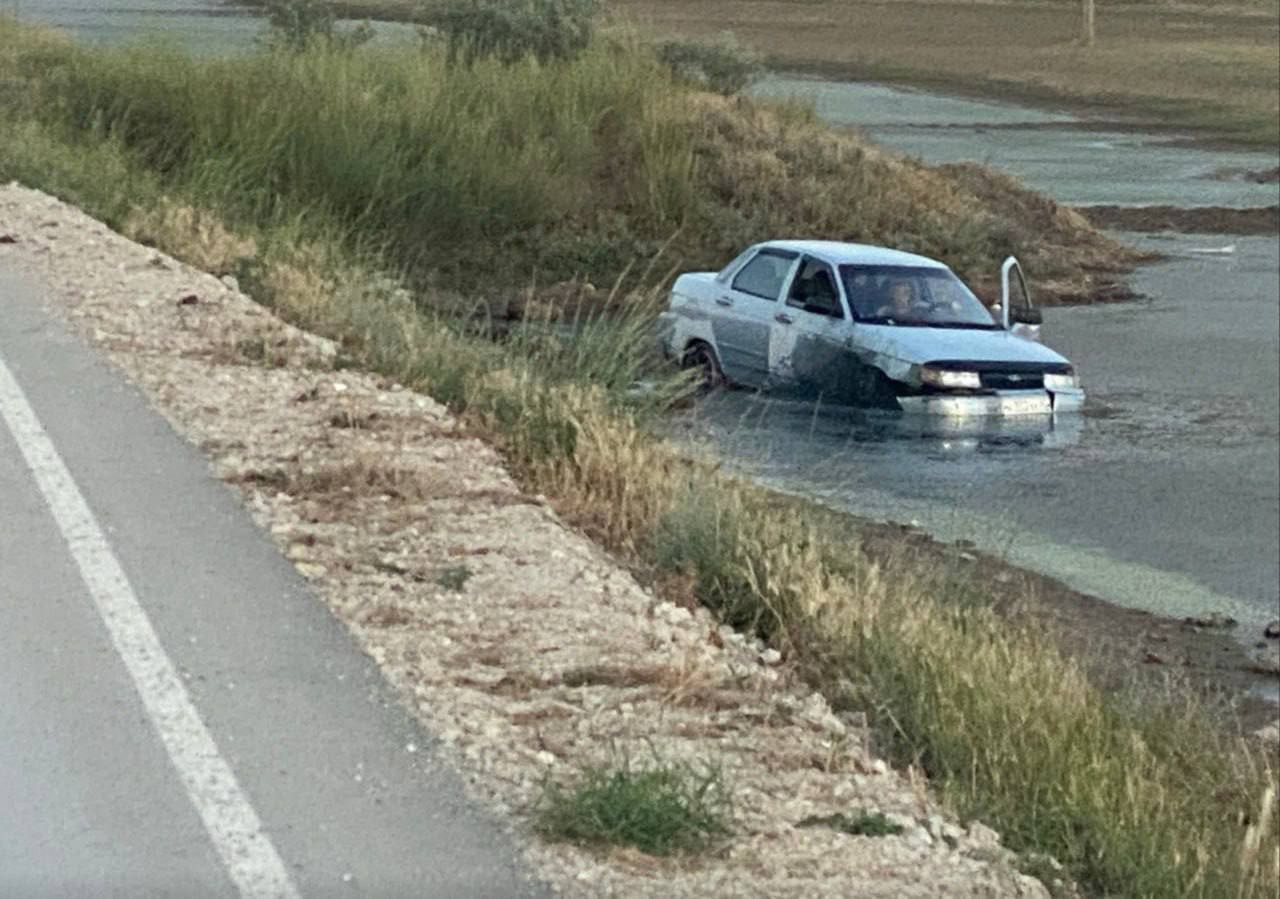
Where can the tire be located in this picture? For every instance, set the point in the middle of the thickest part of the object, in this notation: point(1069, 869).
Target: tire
point(701, 356)
point(878, 392)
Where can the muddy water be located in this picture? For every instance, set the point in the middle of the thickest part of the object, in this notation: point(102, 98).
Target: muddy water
point(199, 26)
point(206, 27)
point(1165, 497)
point(1049, 151)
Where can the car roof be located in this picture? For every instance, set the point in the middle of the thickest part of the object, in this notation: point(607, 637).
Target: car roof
point(838, 253)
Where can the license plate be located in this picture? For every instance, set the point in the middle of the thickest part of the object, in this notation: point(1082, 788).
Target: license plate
point(1033, 404)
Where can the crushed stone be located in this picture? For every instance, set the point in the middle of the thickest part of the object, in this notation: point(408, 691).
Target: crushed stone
point(524, 649)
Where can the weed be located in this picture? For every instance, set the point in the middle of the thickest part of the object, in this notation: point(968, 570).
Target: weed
point(722, 65)
point(860, 823)
point(454, 577)
point(298, 24)
point(661, 808)
point(510, 30)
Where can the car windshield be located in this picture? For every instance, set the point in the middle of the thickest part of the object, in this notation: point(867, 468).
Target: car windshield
point(913, 296)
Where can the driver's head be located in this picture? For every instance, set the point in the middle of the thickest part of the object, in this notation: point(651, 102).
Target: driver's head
point(900, 296)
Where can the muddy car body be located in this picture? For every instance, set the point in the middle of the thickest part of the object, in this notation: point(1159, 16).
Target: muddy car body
point(866, 326)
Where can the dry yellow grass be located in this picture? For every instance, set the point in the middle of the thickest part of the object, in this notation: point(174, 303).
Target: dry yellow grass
point(1210, 67)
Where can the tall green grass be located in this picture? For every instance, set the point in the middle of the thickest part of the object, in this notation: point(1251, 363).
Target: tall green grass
point(324, 163)
point(488, 175)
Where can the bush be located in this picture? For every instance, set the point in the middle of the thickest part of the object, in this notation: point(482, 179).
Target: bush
point(723, 65)
point(296, 24)
point(511, 30)
point(662, 809)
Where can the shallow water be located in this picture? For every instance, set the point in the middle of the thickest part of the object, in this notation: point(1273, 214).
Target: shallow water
point(1049, 151)
point(1166, 496)
point(199, 26)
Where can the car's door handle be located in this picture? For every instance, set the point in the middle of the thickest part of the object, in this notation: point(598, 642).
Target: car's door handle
point(723, 301)
point(783, 318)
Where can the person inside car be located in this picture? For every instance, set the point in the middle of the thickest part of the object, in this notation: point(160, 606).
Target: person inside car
point(901, 304)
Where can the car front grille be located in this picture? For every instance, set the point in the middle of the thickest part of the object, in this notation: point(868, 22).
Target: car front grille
point(1011, 380)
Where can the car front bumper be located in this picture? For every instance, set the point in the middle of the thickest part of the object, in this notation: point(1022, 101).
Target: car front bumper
point(998, 404)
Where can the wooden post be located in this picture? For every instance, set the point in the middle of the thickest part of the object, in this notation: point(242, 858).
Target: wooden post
point(1086, 23)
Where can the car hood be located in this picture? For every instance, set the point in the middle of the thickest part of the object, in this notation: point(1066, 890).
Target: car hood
point(918, 345)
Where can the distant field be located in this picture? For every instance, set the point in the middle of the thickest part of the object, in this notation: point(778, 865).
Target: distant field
point(1210, 67)
point(1214, 70)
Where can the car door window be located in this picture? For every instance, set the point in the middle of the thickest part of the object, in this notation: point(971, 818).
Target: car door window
point(727, 272)
point(764, 275)
point(814, 290)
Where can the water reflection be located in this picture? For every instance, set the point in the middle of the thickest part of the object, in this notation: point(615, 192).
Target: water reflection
point(807, 428)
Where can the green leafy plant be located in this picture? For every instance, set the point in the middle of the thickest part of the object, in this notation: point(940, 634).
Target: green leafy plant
point(297, 24)
point(511, 30)
point(723, 65)
point(661, 808)
point(454, 577)
point(860, 823)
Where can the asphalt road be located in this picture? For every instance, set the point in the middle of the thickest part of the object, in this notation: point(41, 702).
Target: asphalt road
point(1164, 496)
point(180, 715)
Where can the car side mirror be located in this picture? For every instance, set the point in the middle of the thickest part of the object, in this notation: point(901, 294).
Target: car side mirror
point(1026, 315)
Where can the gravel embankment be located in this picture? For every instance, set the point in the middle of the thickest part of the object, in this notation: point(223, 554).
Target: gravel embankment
point(524, 648)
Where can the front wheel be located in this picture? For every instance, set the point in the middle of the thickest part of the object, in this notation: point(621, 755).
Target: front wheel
point(701, 356)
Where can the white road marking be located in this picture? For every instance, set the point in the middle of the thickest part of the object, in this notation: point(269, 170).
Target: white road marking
point(234, 827)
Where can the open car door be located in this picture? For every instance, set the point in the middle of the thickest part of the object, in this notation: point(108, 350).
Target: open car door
point(1018, 315)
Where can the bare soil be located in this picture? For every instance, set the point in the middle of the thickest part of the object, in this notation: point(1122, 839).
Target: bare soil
point(1187, 220)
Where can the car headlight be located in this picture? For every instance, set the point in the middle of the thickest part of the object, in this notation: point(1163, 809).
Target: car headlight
point(1068, 381)
point(937, 377)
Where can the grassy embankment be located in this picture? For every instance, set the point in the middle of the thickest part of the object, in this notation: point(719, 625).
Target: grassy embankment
point(1206, 68)
point(334, 169)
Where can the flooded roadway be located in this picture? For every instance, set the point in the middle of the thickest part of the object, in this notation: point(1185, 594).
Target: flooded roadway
point(1165, 497)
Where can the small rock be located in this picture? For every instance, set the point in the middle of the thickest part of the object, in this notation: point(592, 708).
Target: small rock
point(672, 613)
point(770, 657)
point(312, 570)
point(941, 829)
point(1152, 659)
point(1272, 630)
point(545, 758)
point(8, 238)
point(347, 877)
point(918, 836)
point(229, 282)
point(982, 836)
